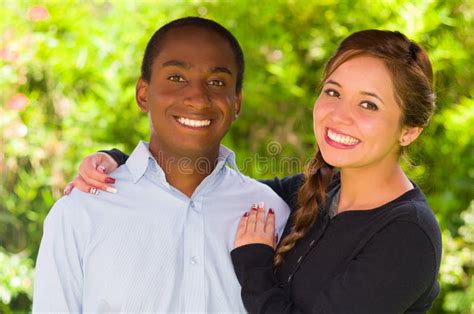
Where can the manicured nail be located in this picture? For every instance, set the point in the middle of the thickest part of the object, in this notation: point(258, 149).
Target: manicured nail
point(261, 205)
point(67, 191)
point(111, 190)
point(93, 191)
point(246, 214)
point(254, 206)
point(270, 211)
point(102, 169)
point(109, 180)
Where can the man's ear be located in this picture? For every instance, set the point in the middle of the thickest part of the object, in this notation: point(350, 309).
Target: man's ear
point(141, 94)
point(238, 103)
point(409, 134)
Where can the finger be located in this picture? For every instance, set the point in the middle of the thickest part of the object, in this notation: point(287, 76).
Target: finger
point(80, 184)
point(83, 186)
point(98, 184)
point(260, 221)
point(68, 188)
point(252, 218)
point(92, 174)
point(242, 228)
point(270, 222)
point(96, 167)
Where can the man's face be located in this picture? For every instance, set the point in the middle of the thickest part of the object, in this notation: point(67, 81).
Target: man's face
point(191, 98)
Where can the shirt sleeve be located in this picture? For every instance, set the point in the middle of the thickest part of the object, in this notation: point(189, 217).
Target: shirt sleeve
point(58, 277)
point(119, 156)
point(390, 274)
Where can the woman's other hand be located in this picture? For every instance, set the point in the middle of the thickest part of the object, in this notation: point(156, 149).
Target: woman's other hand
point(256, 227)
point(93, 176)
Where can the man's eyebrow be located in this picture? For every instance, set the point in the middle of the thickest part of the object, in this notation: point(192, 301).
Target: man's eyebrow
point(373, 95)
point(176, 63)
point(187, 66)
point(221, 70)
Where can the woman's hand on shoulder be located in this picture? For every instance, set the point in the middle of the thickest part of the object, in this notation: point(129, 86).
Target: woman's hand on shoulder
point(257, 227)
point(93, 175)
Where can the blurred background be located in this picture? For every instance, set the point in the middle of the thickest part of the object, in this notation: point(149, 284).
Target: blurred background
point(67, 79)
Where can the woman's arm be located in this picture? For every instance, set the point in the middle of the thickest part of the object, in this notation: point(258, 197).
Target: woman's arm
point(93, 171)
point(394, 272)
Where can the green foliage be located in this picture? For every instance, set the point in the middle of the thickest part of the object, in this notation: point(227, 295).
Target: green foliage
point(67, 78)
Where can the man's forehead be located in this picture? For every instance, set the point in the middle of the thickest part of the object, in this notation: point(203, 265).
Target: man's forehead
point(195, 48)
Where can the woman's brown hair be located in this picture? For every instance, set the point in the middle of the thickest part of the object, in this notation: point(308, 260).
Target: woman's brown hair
point(412, 78)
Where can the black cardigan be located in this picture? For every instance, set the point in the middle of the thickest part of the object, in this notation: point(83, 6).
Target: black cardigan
point(383, 260)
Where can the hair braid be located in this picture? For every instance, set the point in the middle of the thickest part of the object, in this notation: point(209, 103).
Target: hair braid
point(311, 196)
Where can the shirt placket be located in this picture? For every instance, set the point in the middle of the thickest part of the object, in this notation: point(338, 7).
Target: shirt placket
point(194, 294)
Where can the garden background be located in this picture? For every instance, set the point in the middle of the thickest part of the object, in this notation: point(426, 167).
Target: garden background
point(67, 80)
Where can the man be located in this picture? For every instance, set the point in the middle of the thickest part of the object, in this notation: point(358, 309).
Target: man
point(162, 242)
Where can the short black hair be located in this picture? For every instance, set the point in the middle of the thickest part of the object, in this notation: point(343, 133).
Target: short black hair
point(154, 45)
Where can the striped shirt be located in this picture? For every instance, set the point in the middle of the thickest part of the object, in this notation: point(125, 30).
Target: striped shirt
point(148, 248)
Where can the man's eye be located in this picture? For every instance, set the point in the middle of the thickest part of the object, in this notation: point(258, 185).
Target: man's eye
point(176, 78)
point(331, 93)
point(216, 83)
point(369, 106)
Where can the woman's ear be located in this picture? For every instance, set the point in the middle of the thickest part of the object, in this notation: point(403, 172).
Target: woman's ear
point(141, 94)
point(409, 135)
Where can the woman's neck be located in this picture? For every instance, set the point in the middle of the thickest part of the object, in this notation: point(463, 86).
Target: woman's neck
point(363, 189)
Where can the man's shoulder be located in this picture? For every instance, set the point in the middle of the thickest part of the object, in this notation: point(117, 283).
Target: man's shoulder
point(250, 186)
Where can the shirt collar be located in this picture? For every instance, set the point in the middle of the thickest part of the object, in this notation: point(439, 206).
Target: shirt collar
point(141, 158)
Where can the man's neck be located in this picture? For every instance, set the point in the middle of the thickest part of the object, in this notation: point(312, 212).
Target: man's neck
point(185, 173)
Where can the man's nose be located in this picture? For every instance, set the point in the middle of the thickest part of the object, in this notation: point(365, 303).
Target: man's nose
point(197, 95)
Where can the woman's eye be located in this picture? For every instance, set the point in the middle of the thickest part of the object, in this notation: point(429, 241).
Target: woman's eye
point(216, 83)
point(176, 78)
point(369, 105)
point(332, 93)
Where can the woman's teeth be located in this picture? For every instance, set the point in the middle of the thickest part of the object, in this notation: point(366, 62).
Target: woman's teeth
point(194, 123)
point(342, 139)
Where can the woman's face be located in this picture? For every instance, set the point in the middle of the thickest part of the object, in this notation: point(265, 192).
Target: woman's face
point(357, 118)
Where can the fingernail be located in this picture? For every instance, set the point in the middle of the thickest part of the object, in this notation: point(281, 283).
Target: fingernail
point(246, 214)
point(111, 190)
point(270, 211)
point(109, 180)
point(261, 205)
point(254, 206)
point(67, 191)
point(93, 191)
point(102, 168)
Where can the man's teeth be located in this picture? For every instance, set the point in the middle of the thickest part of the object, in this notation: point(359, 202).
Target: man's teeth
point(342, 139)
point(194, 123)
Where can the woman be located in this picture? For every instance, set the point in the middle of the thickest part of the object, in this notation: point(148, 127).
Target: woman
point(361, 239)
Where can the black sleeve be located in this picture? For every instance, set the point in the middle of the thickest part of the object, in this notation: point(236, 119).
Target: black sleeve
point(287, 188)
point(119, 156)
point(392, 272)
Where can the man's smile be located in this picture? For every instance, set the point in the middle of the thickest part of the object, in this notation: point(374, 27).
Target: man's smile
point(194, 123)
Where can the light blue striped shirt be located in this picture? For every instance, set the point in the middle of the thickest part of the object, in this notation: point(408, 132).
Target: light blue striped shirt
point(148, 248)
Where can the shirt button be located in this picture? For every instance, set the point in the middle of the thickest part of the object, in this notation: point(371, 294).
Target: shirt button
point(193, 260)
point(191, 204)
